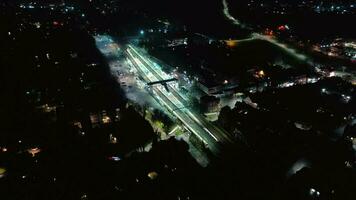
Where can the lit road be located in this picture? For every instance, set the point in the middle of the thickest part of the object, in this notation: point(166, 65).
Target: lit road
point(236, 22)
point(227, 14)
point(175, 102)
point(280, 45)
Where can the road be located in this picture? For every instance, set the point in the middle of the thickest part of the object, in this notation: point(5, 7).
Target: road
point(236, 22)
point(176, 103)
point(227, 14)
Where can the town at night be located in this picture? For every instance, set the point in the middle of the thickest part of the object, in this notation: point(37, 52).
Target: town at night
point(178, 99)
